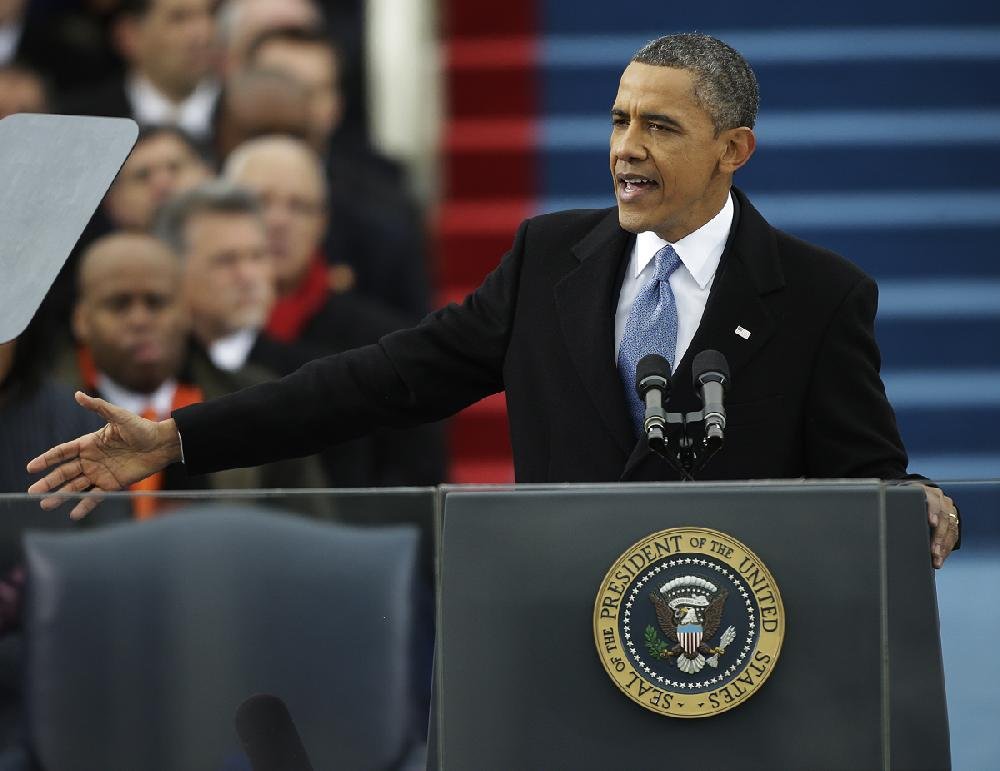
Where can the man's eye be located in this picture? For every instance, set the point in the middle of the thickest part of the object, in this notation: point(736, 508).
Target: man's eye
point(619, 122)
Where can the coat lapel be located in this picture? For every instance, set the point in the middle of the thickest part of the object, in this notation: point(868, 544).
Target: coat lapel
point(744, 296)
point(586, 299)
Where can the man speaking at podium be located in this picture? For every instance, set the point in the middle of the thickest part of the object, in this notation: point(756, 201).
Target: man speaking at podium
point(684, 263)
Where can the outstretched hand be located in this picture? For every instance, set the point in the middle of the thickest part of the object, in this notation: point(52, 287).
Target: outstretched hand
point(127, 449)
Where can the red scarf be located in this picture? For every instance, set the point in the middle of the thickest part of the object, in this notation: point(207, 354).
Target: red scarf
point(143, 507)
point(296, 309)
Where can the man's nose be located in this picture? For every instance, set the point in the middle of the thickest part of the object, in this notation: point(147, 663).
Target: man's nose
point(247, 273)
point(276, 215)
point(140, 315)
point(163, 182)
point(627, 144)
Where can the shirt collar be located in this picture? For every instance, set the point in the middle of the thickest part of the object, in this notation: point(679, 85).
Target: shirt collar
point(151, 106)
point(160, 401)
point(700, 251)
point(231, 352)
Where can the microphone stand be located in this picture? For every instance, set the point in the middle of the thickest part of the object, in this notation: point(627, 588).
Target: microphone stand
point(686, 460)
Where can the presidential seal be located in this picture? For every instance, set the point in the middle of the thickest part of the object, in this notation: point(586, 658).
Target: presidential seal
point(688, 622)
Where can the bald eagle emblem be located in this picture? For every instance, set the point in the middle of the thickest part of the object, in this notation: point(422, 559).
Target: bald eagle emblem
point(689, 610)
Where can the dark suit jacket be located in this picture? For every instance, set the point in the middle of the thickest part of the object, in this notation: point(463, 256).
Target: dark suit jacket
point(386, 457)
point(107, 98)
point(806, 397)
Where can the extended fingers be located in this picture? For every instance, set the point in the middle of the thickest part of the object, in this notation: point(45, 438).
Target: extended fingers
point(58, 454)
point(54, 501)
point(84, 507)
point(64, 474)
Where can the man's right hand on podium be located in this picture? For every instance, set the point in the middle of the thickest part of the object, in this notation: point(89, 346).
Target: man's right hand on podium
point(127, 449)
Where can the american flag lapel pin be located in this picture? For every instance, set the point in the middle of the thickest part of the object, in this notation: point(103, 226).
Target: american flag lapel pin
point(744, 333)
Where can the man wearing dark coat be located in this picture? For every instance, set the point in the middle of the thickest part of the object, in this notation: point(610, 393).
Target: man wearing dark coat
point(551, 324)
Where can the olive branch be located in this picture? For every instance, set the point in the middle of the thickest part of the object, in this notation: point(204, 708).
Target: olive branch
point(655, 644)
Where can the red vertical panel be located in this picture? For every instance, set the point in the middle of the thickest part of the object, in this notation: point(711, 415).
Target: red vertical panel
point(490, 183)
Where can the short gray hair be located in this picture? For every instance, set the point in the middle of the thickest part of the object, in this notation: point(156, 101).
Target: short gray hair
point(724, 83)
point(216, 196)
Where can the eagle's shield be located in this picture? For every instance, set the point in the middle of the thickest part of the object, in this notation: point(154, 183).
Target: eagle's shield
point(689, 636)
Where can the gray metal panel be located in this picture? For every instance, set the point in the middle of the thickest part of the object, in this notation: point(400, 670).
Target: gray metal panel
point(919, 730)
point(54, 171)
point(144, 638)
point(521, 684)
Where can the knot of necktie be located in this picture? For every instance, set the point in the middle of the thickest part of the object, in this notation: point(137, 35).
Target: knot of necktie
point(665, 262)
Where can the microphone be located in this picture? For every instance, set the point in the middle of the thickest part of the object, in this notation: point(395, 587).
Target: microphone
point(711, 381)
point(652, 382)
point(269, 737)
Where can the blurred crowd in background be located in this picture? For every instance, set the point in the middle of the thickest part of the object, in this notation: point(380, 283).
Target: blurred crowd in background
point(253, 227)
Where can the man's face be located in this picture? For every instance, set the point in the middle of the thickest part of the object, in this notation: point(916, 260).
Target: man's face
point(174, 44)
point(315, 67)
point(130, 314)
point(157, 169)
point(664, 154)
point(290, 189)
point(228, 273)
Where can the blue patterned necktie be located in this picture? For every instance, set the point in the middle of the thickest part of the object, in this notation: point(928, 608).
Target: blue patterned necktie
point(651, 327)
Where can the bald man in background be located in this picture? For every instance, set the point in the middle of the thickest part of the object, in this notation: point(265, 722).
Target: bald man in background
point(311, 317)
point(287, 177)
point(257, 102)
point(375, 226)
point(134, 352)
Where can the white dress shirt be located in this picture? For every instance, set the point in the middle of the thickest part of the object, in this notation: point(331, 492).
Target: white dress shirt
point(160, 401)
point(151, 107)
point(700, 253)
point(230, 353)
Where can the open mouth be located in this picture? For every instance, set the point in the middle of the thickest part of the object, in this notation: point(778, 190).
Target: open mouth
point(632, 186)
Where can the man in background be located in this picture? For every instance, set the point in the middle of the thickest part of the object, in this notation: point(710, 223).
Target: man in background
point(227, 271)
point(133, 330)
point(169, 50)
point(240, 22)
point(164, 162)
point(258, 102)
point(375, 229)
point(230, 277)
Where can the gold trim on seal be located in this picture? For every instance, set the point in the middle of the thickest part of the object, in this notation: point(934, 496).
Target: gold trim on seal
point(632, 573)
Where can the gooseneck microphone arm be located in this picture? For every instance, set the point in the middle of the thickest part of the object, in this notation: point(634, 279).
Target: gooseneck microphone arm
point(652, 383)
point(711, 381)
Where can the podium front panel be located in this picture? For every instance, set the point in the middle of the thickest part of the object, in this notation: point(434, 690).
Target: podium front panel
point(519, 682)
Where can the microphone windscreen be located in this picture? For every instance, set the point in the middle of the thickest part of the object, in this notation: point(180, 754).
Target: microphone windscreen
point(268, 734)
point(712, 364)
point(651, 364)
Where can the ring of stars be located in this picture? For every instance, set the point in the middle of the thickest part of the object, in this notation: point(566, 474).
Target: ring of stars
point(748, 642)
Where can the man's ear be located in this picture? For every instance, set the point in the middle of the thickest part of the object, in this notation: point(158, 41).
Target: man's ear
point(740, 144)
point(81, 327)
